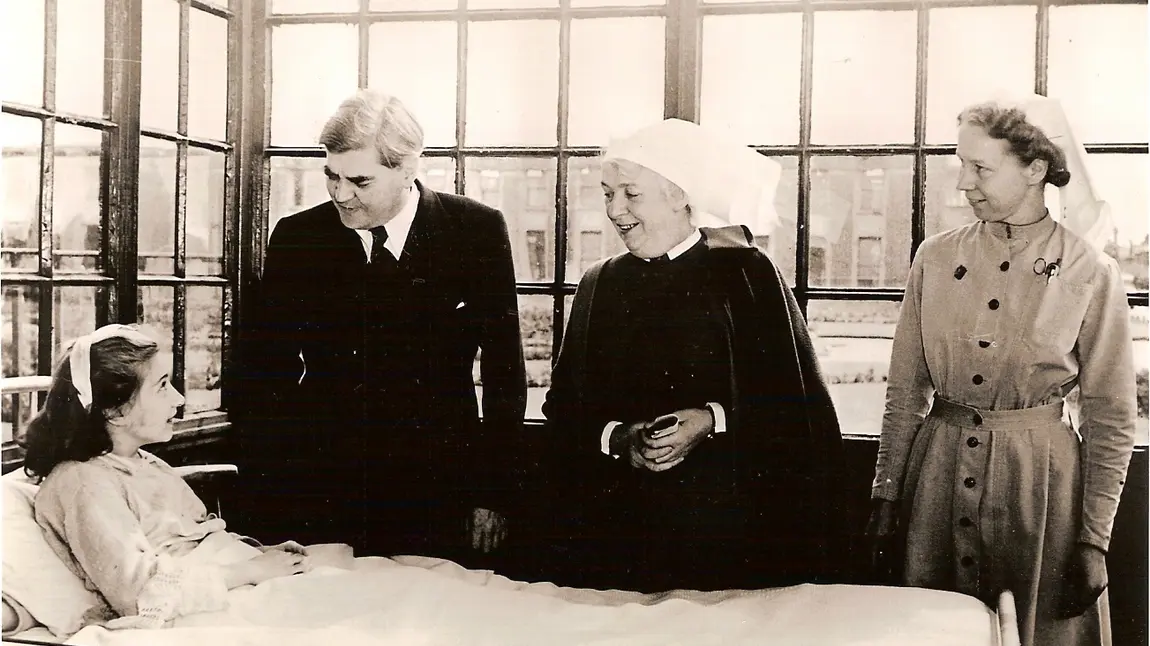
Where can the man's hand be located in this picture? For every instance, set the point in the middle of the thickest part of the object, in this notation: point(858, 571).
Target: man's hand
point(667, 448)
point(1085, 580)
point(487, 529)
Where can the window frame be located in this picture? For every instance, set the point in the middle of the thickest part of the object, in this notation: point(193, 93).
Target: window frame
point(683, 43)
point(119, 190)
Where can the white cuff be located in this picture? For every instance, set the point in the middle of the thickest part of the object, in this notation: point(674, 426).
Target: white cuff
point(720, 417)
point(605, 439)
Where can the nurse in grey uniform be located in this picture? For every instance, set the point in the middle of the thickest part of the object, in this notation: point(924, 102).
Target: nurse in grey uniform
point(982, 484)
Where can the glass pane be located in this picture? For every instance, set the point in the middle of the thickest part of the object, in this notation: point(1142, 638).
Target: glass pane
point(297, 183)
point(204, 333)
point(1121, 181)
point(863, 83)
point(781, 241)
point(852, 340)
point(306, 88)
point(205, 212)
point(750, 77)
point(536, 314)
point(618, 3)
point(427, 89)
point(512, 98)
point(412, 5)
point(437, 173)
point(524, 190)
point(79, 56)
point(23, 40)
point(157, 206)
point(511, 4)
point(74, 309)
point(314, 6)
point(590, 235)
point(1140, 329)
point(946, 206)
point(207, 76)
point(155, 318)
point(76, 199)
point(160, 65)
point(21, 334)
point(19, 235)
point(961, 74)
point(860, 221)
point(613, 94)
point(1100, 69)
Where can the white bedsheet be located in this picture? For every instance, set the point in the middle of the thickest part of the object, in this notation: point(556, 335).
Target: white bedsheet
point(424, 602)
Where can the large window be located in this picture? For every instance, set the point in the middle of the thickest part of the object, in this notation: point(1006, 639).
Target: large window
point(871, 121)
point(139, 131)
point(515, 99)
point(863, 126)
point(118, 148)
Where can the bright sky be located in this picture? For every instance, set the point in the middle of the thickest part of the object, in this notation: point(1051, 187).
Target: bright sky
point(864, 75)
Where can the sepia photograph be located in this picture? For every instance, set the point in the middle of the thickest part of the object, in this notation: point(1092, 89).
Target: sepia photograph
point(587, 322)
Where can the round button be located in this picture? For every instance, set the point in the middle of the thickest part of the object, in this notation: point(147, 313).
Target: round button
point(972, 441)
point(977, 419)
point(1005, 265)
point(993, 304)
point(959, 272)
point(969, 483)
point(965, 522)
point(984, 344)
point(977, 380)
point(967, 561)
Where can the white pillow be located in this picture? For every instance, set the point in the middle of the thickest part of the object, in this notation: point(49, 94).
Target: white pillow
point(33, 575)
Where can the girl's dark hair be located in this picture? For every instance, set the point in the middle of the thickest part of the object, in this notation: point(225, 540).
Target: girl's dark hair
point(63, 430)
point(1027, 141)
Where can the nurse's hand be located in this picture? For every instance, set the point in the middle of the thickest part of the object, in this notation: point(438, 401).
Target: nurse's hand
point(679, 433)
point(1085, 580)
point(880, 533)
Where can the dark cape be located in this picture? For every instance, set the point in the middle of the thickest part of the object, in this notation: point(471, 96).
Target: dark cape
point(757, 506)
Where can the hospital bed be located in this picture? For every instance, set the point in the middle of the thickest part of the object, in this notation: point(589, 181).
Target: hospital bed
point(418, 600)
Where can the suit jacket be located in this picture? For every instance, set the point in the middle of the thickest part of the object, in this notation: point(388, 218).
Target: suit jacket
point(363, 388)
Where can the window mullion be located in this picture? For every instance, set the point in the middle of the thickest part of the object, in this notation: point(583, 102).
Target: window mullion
point(918, 187)
point(806, 90)
point(562, 216)
point(122, 45)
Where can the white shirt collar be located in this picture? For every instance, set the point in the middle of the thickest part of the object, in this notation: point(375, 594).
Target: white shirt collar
point(683, 246)
point(397, 229)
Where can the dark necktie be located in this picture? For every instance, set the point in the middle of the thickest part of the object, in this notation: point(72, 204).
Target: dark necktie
point(379, 252)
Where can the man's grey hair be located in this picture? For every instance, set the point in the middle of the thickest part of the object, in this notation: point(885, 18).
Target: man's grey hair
point(372, 119)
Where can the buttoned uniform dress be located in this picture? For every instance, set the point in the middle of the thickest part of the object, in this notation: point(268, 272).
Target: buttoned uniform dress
point(996, 487)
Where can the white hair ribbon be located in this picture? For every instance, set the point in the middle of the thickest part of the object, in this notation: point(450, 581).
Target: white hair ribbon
point(80, 358)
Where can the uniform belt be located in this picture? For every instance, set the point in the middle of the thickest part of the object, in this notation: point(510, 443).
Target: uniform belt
point(995, 420)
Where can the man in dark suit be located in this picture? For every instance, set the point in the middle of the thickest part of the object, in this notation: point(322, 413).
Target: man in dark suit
point(360, 421)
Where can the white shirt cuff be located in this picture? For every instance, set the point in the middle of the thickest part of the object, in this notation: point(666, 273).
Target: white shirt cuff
point(605, 439)
point(720, 417)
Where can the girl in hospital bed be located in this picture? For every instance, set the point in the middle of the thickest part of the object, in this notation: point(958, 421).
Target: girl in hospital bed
point(120, 518)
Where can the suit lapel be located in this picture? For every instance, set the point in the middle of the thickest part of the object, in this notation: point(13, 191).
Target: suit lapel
point(426, 236)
